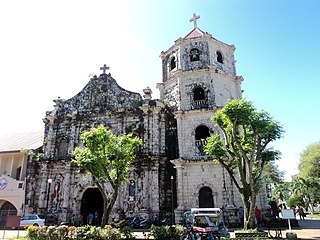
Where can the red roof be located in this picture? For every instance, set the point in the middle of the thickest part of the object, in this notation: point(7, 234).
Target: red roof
point(14, 142)
point(196, 32)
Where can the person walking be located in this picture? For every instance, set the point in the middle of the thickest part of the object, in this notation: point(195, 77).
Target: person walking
point(73, 220)
point(274, 208)
point(258, 217)
point(241, 216)
point(96, 219)
point(90, 219)
point(301, 213)
point(81, 219)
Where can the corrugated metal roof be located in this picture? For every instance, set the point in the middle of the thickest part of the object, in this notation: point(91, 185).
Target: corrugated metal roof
point(17, 141)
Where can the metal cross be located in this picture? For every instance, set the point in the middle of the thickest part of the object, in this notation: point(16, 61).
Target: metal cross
point(194, 20)
point(104, 68)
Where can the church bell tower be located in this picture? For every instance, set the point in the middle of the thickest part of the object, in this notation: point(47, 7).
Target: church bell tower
point(198, 78)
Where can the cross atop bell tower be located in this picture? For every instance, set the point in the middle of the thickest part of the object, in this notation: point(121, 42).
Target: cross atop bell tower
point(194, 20)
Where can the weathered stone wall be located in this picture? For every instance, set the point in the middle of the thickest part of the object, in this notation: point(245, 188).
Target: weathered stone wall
point(193, 175)
point(102, 101)
point(204, 61)
point(69, 184)
point(227, 51)
point(187, 124)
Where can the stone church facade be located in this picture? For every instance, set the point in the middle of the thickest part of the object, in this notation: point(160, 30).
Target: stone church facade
point(171, 170)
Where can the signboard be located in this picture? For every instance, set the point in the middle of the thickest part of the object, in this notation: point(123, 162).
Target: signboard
point(3, 183)
point(13, 221)
point(288, 214)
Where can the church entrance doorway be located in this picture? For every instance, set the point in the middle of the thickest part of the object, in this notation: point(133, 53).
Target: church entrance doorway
point(91, 202)
point(206, 198)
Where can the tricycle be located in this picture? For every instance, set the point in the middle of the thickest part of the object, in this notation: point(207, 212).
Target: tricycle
point(204, 225)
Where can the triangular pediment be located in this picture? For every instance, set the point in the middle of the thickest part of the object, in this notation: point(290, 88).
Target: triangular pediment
point(196, 32)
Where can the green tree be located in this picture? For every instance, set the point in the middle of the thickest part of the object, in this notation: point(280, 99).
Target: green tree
point(307, 188)
point(242, 148)
point(283, 191)
point(273, 177)
point(307, 181)
point(107, 158)
point(272, 174)
point(309, 164)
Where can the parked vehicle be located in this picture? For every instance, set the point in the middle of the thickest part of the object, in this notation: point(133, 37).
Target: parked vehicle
point(161, 221)
point(145, 223)
point(32, 220)
point(117, 223)
point(204, 224)
point(137, 222)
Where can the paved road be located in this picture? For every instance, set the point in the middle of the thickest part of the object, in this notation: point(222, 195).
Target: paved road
point(309, 223)
point(308, 229)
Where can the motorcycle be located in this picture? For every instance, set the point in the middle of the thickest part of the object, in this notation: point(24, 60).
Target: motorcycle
point(134, 222)
point(165, 220)
point(116, 223)
point(145, 223)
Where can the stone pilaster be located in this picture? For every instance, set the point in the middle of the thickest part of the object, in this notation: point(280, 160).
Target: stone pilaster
point(154, 185)
point(72, 134)
point(180, 187)
point(49, 138)
point(43, 186)
point(66, 187)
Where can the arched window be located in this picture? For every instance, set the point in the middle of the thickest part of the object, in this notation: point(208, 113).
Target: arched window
point(173, 63)
point(199, 98)
point(194, 55)
point(201, 134)
point(219, 57)
point(198, 94)
point(206, 198)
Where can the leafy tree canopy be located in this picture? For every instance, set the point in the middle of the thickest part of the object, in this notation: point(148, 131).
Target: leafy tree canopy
point(242, 147)
point(272, 174)
point(107, 158)
point(309, 165)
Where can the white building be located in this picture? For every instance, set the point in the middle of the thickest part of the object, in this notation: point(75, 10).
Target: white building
point(14, 149)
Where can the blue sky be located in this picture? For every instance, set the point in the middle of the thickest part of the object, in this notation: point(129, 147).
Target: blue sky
point(48, 49)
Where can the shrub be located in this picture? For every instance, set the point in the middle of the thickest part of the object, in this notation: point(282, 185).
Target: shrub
point(112, 234)
point(32, 232)
point(166, 232)
point(76, 233)
point(127, 232)
point(52, 233)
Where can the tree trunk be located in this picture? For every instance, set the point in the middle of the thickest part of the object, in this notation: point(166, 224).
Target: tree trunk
point(104, 214)
point(249, 201)
point(108, 203)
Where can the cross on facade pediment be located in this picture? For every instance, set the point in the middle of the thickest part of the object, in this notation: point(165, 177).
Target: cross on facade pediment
point(104, 68)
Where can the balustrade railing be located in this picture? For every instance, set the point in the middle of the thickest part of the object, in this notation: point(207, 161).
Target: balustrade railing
point(200, 103)
point(200, 147)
